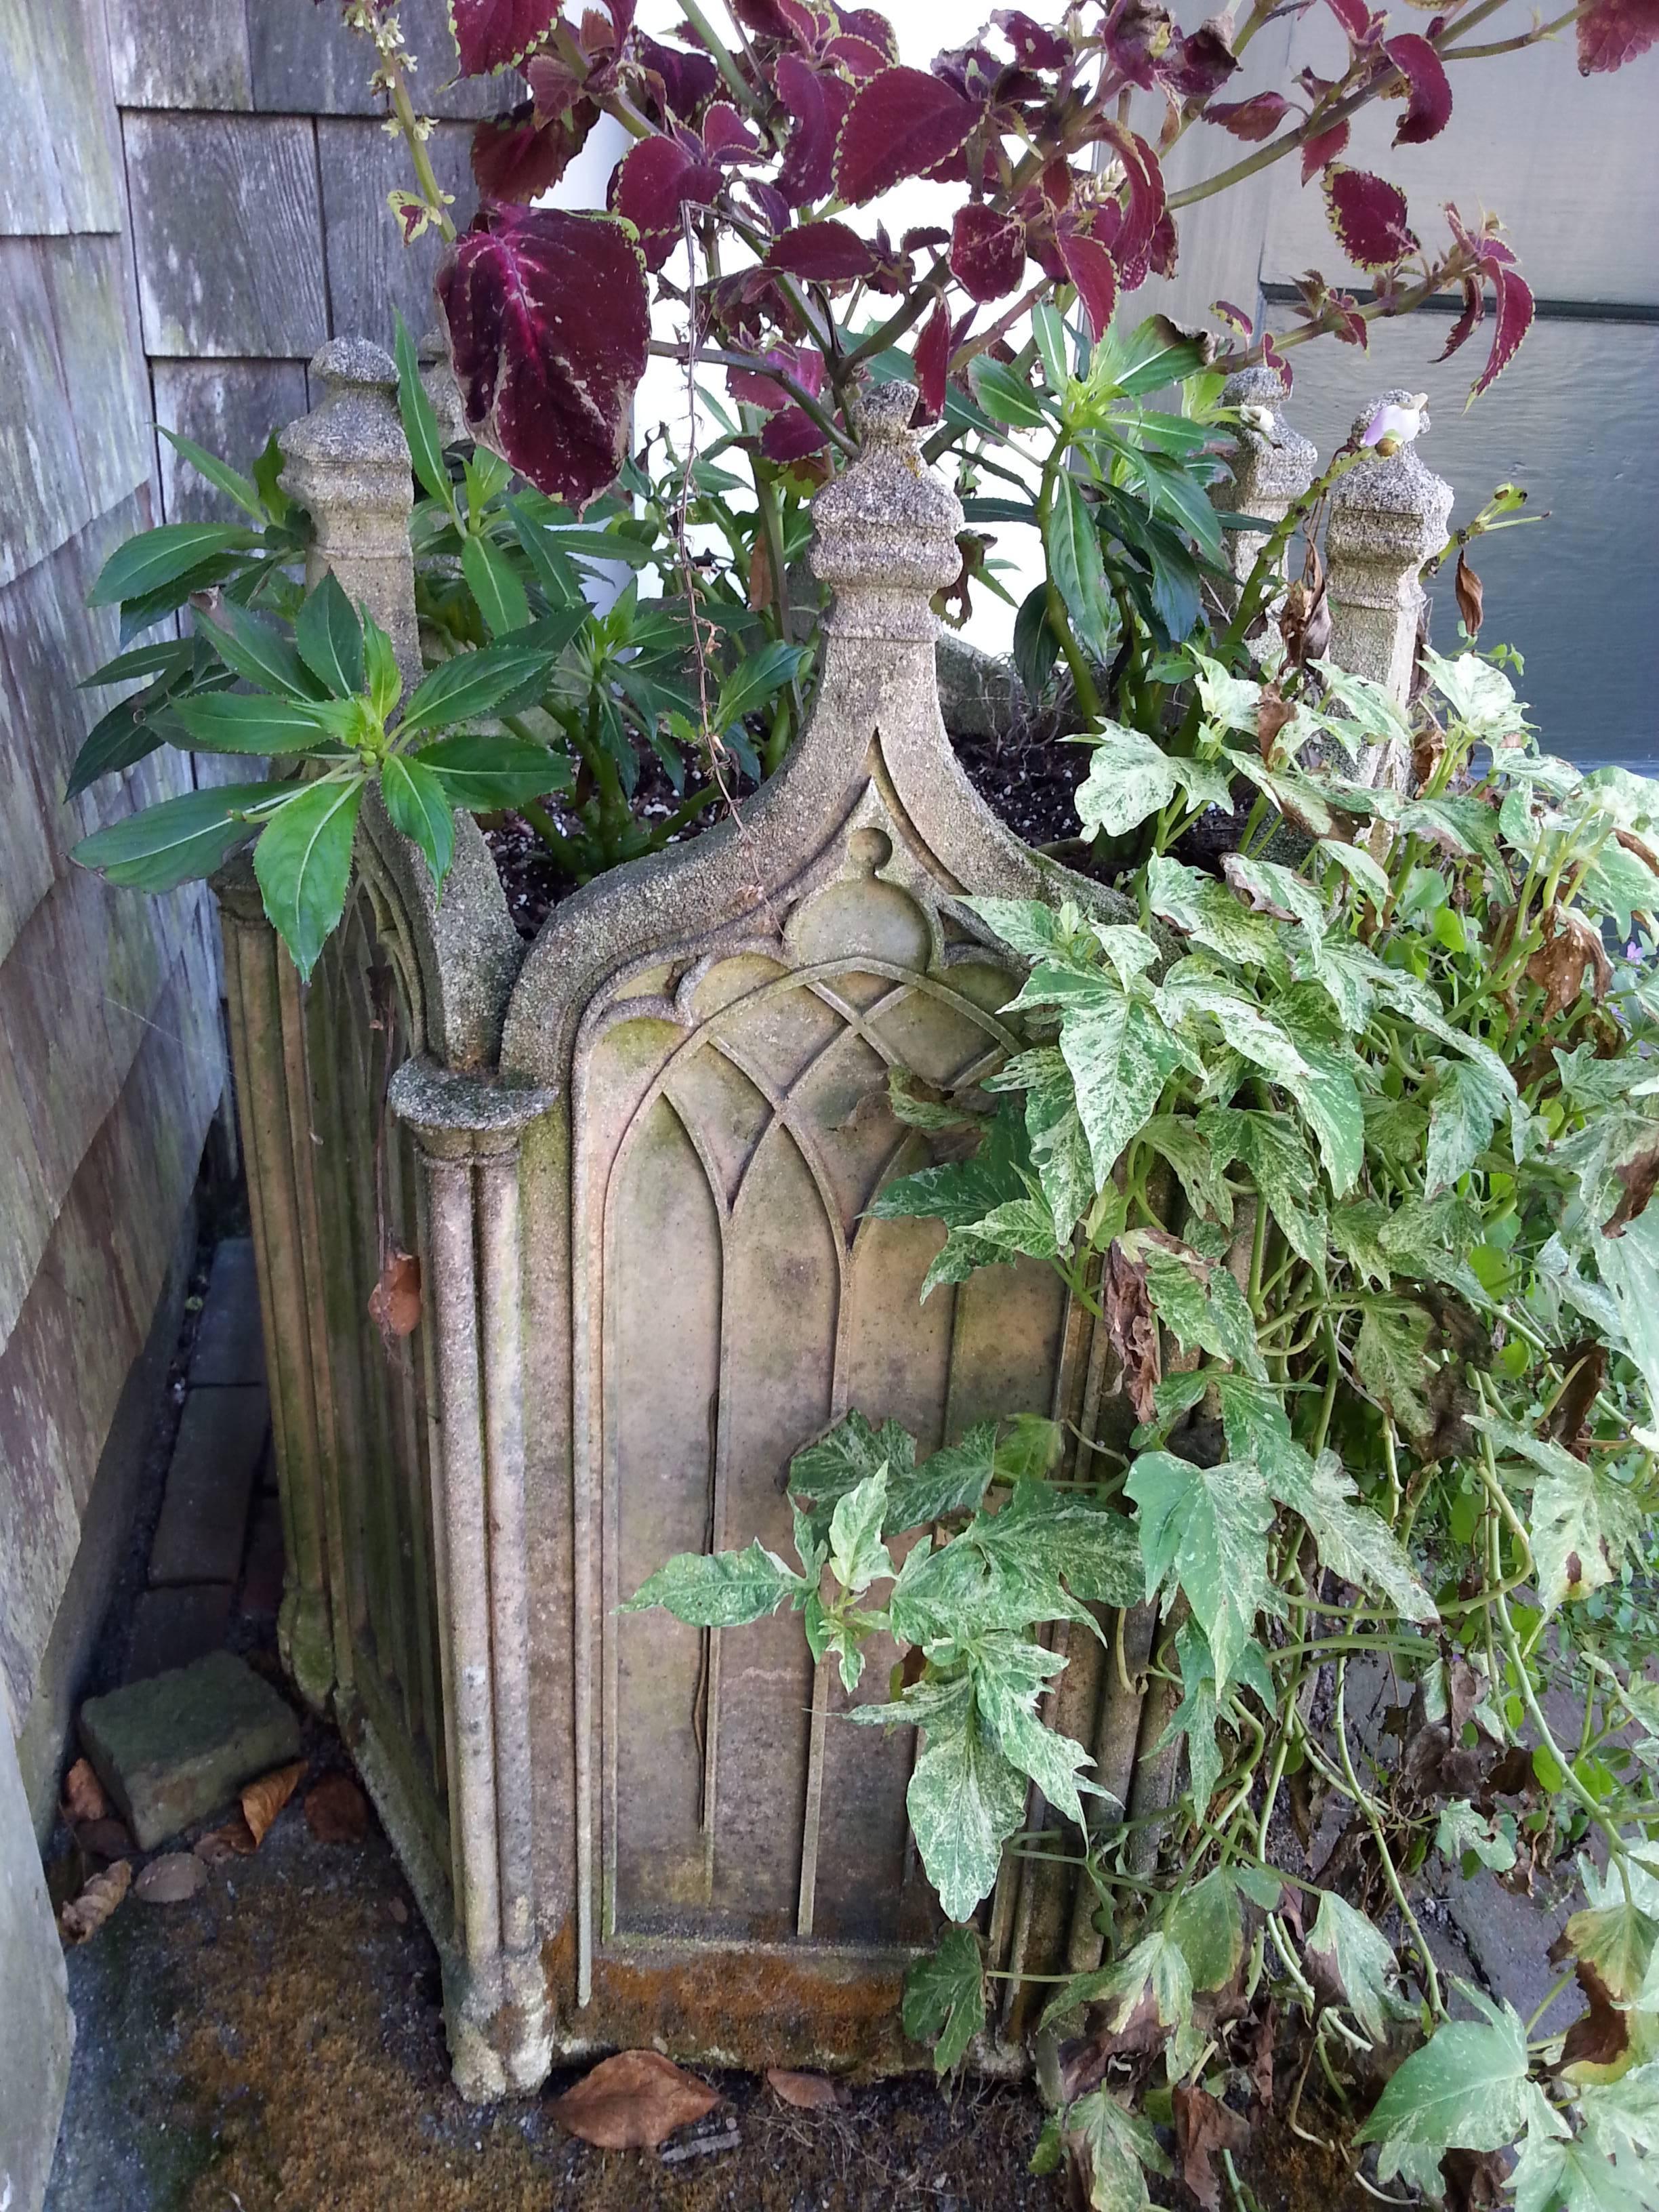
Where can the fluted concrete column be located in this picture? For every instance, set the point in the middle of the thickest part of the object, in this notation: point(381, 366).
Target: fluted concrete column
point(467, 1133)
point(1270, 467)
point(1388, 516)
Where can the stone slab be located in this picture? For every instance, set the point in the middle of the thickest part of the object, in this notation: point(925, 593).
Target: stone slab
point(229, 1348)
point(172, 1628)
point(175, 1748)
point(215, 1464)
point(36, 2028)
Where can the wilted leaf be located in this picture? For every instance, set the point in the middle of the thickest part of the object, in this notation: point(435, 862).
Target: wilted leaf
point(1597, 2045)
point(1471, 596)
point(261, 1801)
point(233, 1840)
point(394, 1303)
point(1204, 2129)
point(1614, 32)
point(633, 2102)
point(83, 1794)
point(85, 1915)
point(1428, 109)
point(336, 1811)
point(104, 1839)
point(807, 2093)
point(171, 1879)
point(1572, 946)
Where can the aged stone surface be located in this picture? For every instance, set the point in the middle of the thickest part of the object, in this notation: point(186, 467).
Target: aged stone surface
point(172, 1628)
point(215, 1464)
point(174, 1748)
point(1271, 465)
point(1387, 516)
point(36, 2030)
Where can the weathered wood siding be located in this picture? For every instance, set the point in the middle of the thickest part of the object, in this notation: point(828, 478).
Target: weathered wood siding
point(111, 1053)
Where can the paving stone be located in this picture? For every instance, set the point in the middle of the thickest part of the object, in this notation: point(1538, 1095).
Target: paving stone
point(172, 1627)
point(229, 1347)
point(177, 1746)
point(216, 1462)
point(262, 1577)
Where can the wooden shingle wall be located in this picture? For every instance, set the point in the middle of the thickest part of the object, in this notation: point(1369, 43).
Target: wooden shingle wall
point(258, 168)
point(111, 1054)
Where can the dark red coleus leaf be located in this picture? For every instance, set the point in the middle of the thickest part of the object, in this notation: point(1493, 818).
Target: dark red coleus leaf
point(805, 364)
point(872, 26)
point(1136, 36)
point(1131, 241)
point(822, 253)
point(557, 90)
point(549, 330)
point(761, 17)
point(1279, 362)
point(492, 34)
point(516, 157)
point(1428, 110)
point(1091, 269)
point(790, 435)
point(1257, 117)
point(1056, 184)
point(987, 251)
point(1034, 46)
point(652, 182)
point(901, 123)
point(725, 135)
point(1354, 17)
point(1474, 308)
point(934, 359)
point(1319, 151)
point(1162, 253)
point(1235, 318)
point(857, 57)
point(686, 79)
point(807, 24)
point(1514, 310)
point(927, 234)
point(818, 101)
point(1200, 65)
point(1614, 32)
point(1368, 214)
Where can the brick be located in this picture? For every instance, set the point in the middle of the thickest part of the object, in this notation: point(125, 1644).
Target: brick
point(173, 1627)
point(229, 1348)
point(215, 1464)
point(174, 1748)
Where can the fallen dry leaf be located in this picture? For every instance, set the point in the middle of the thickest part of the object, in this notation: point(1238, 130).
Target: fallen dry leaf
point(1272, 713)
point(633, 2102)
point(104, 1839)
point(336, 1811)
point(83, 1794)
point(1204, 2129)
point(87, 1913)
point(261, 1801)
point(1571, 946)
point(394, 1303)
point(807, 2093)
point(233, 1841)
point(171, 1879)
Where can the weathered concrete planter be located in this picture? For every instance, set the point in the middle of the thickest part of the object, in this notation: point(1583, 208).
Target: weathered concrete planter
point(634, 1164)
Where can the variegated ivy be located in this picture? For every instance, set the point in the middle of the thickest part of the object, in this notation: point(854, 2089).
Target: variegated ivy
point(1350, 1148)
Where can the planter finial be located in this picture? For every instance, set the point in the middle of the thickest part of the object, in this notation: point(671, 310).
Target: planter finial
point(1271, 465)
point(1388, 514)
point(886, 528)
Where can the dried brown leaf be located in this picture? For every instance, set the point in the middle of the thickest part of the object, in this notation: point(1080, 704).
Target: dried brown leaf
point(807, 2093)
point(1639, 1177)
point(261, 1801)
point(104, 1839)
point(394, 1303)
point(1598, 2037)
point(633, 2102)
point(336, 1811)
point(86, 1915)
point(171, 1879)
point(1471, 598)
point(1132, 1329)
point(83, 1794)
point(233, 1841)
point(762, 589)
point(1272, 713)
point(1263, 2036)
point(1204, 2129)
point(1474, 2179)
point(1586, 1364)
point(1571, 946)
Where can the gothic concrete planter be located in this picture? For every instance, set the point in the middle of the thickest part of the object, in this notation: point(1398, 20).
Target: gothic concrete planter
point(634, 1163)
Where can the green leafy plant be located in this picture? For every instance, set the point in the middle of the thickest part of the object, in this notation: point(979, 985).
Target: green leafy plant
point(1349, 1148)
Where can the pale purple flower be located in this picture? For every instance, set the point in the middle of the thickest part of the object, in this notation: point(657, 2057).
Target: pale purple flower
point(1396, 423)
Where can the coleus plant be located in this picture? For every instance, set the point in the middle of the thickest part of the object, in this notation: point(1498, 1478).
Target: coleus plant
point(1349, 1148)
point(761, 151)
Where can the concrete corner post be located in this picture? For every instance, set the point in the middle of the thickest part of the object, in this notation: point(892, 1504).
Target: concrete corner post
point(1270, 467)
point(468, 1134)
point(1388, 516)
